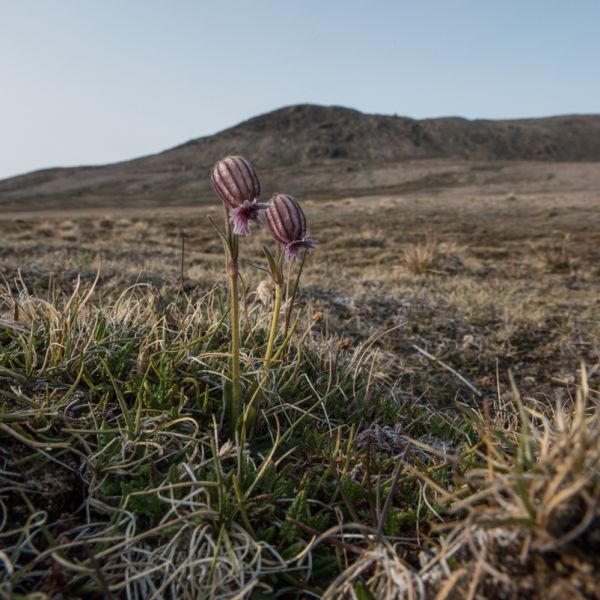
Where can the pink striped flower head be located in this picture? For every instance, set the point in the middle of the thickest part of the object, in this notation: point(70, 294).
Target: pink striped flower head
point(235, 181)
point(288, 225)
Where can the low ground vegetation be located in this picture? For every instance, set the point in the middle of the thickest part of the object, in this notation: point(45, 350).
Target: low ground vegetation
point(432, 431)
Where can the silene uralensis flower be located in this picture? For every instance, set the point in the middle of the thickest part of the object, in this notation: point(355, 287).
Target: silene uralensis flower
point(235, 181)
point(288, 225)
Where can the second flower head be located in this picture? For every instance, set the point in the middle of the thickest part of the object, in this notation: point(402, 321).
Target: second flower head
point(288, 225)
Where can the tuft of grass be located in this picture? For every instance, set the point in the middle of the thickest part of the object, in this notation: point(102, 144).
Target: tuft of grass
point(419, 258)
point(556, 256)
point(432, 257)
point(526, 496)
point(542, 469)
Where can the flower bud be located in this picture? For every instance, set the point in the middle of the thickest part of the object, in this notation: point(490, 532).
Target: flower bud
point(235, 181)
point(288, 225)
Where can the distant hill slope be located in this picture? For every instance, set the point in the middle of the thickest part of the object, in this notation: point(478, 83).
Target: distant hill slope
point(308, 149)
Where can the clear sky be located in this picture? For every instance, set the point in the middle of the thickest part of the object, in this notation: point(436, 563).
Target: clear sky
point(93, 81)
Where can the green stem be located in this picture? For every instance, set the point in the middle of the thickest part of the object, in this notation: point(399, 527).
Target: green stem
point(235, 348)
point(287, 282)
point(274, 323)
point(233, 272)
point(294, 292)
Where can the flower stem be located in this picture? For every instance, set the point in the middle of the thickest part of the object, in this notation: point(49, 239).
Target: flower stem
point(233, 273)
point(235, 349)
point(274, 322)
point(290, 305)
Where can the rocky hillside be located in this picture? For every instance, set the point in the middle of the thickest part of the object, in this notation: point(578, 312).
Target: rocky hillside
point(313, 150)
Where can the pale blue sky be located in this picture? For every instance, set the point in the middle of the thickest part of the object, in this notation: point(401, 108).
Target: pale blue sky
point(93, 81)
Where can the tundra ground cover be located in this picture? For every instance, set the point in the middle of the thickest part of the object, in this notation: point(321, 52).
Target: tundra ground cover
point(398, 464)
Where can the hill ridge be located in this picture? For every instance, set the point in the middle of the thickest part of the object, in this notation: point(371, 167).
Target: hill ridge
point(302, 146)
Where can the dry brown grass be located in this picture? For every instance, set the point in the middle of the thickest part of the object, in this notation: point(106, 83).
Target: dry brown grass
point(420, 258)
point(433, 257)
